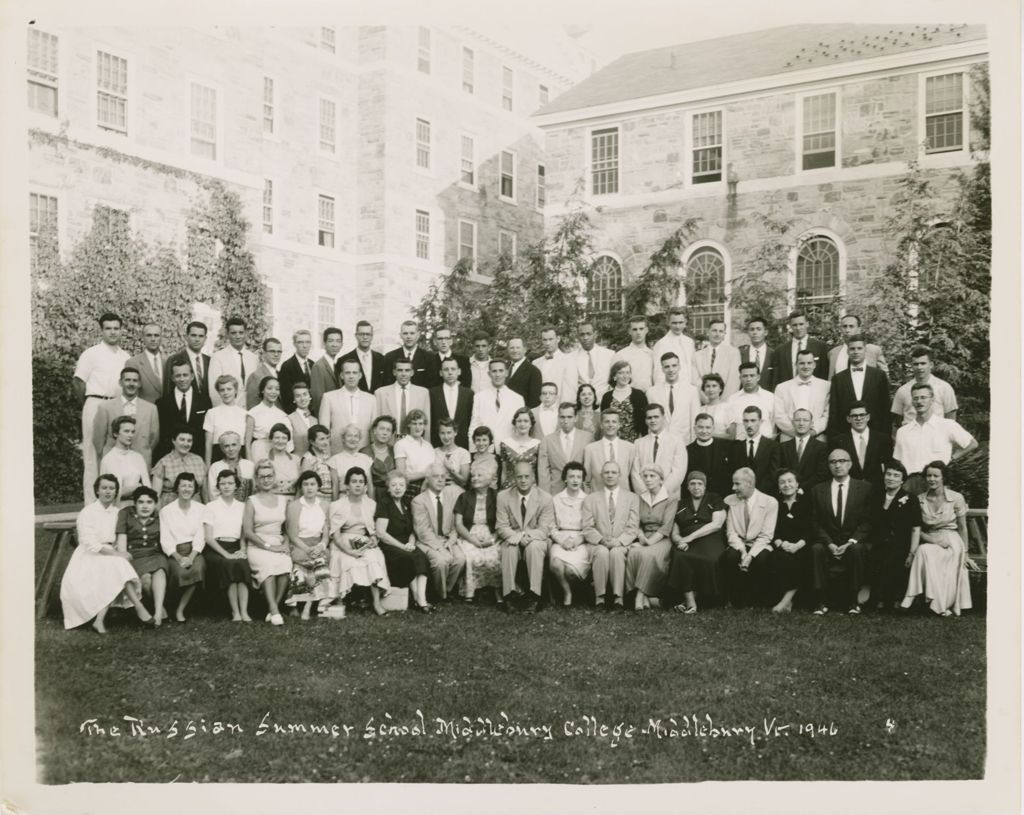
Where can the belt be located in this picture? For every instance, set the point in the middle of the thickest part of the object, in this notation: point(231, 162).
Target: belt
point(97, 396)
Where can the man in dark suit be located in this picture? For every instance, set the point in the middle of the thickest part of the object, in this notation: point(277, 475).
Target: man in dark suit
point(184, 405)
point(785, 354)
point(450, 400)
point(149, 362)
point(322, 378)
point(757, 452)
point(863, 383)
point(842, 519)
point(296, 368)
point(425, 372)
point(524, 377)
point(371, 363)
point(759, 352)
point(443, 344)
point(711, 456)
point(868, 449)
point(198, 362)
point(804, 454)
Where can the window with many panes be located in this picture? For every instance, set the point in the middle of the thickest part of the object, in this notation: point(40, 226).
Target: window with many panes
point(819, 131)
point(328, 125)
point(268, 105)
point(422, 234)
point(325, 221)
point(423, 144)
point(508, 79)
point(467, 241)
point(506, 243)
point(542, 95)
point(42, 223)
point(467, 161)
point(326, 313)
point(542, 193)
point(423, 51)
point(268, 206)
point(817, 274)
point(705, 289)
point(507, 182)
point(42, 72)
point(707, 147)
point(605, 290)
point(111, 92)
point(204, 121)
point(604, 161)
point(467, 70)
point(327, 38)
point(110, 222)
point(944, 113)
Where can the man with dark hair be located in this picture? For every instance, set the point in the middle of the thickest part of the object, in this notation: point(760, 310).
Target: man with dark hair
point(127, 403)
point(838, 357)
point(371, 363)
point(593, 361)
point(711, 456)
point(234, 359)
point(350, 405)
point(677, 395)
point(523, 376)
point(443, 345)
point(804, 391)
point(192, 353)
point(609, 448)
point(495, 406)
point(150, 362)
point(524, 520)
point(751, 394)
point(425, 364)
point(566, 444)
point(297, 368)
point(944, 404)
point(451, 400)
point(479, 363)
point(610, 521)
point(659, 447)
point(929, 438)
point(272, 350)
point(804, 454)
point(638, 355)
point(323, 377)
point(184, 406)
point(676, 342)
point(401, 397)
point(554, 365)
point(785, 354)
point(759, 352)
point(859, 383)
point(869, 448)
point(755, 450)
point(718, 357)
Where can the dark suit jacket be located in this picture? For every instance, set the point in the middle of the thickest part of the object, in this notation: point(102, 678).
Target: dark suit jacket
point(892, 526)
point(465, 372)
point(875, 396)
point(715, 461)
point(768, 381)
point(783, 363)
point(812, 468)
point(376, 376)
point(856, 513)
point(290, 374)
point(879, 451)
point(425, 370)
point(766, 462)
point(463, 413)
point(182, 355)
point(527, 382)
point(167, 411)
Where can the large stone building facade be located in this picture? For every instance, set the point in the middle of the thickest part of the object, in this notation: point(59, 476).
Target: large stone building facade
point(810, 125)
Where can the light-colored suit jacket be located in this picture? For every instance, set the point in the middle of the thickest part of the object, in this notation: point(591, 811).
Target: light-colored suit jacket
point(672, 458)
point(252, 385)
point(603, 359)
point(336, 413)
point(152, 384)
point(551, 459)
point(686, 400)
point(300, 431)
point(561, 371)
point(147, 427)
point(873, 356)
point(424, 516)
point(540, 515)
point(389, 402)
point(727, 366)
point(597, 525)
point(785, 404)
point(596, 454)
point(757, 535)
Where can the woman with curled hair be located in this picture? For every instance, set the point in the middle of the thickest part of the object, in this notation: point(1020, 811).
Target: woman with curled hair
point(306, 527)
point(406, 564)
point(317, 459)
point(476, 516)
point(125, 464)
point(483, 450)
point(519, 447)
point(413, 453)
point(180, 460)
point(794, 533)
point(183, 538)
point(712, 386)
point(381, 452)
point(897, 530)
point(227, 417)
point(264, 416)
point(286, 466)
point(225, 547)
point(356, 559)
point(138, 534)
point(266, 548)
point(647, 563)
point(588, 412)
point(630, 402)
point(569, 555)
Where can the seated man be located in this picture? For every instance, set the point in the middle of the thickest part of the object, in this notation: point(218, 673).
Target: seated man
point(749, 526)
point(569, 555)
point(433, 522)
point(523, 524)
point(611, 520)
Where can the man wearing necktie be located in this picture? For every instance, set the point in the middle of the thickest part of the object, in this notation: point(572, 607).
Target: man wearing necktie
point(234, 359)
point(805, 391)
point(348, 405)
point(659, 447)
point(192, 353)
point(296, 368)
point(524, 521)
point(785, 354)
point(756, 451)
point(401, 397)
point(720, 357)
point(495, 406)
point(750, 524)
point(868, 449)
point(433, 519)
point(804, 454)
point(679, 397)
point(185, 406)
point(862, 383)
point(611, 521)
point(759, 352)
point(150, 363)
point(608, 448)
point(128, 403)
point(558, 449)
point(838, 357)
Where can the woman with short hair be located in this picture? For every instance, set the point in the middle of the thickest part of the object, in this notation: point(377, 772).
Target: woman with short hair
point(183, 538)
point(138, 534)
point(413, 453)
point(630, 402)
point(286, 466)
point(381, 452)
point(897, 530)
point(356, 559)
point(406, 564)
point(127, 465)
point(227, 417)
point(476, 517)
point(520, 446)
point(306, 527)
point(698, 543)
point(588, 411)
point(317, 459)
point(180, 460)
point(225, 546)
point(263, 532)
point(712, 386)
point(647, 562)
point(264, 416)
point(794, 533)
point(350, 455)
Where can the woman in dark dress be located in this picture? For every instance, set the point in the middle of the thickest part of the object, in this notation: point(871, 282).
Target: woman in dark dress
point(794, 531)
point(627, 400)
point(138, 534)
point(381, 451)
point(406, 564)
point(698, 539)
point(896, 517)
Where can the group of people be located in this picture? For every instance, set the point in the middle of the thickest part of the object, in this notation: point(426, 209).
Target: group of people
point(667, 475)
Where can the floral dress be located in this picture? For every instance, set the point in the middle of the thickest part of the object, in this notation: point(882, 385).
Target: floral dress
point(512, 453)
point(483, 564)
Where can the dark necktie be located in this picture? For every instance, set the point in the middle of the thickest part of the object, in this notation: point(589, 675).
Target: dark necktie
point(671, 399)
point(182, 410)
point(757, 360)
point(522, 509)
point(199, 372)
point(655, 458)
point(800, 448)
point(440, 517)
point(241, 362)
point(714, 352)
point(750, 449)
point(839, 506)
point(497, 400)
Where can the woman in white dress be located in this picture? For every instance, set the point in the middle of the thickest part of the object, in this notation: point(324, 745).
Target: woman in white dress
point(183, 538)
point(306, 527)
point(569, 556)
point(225, 549)
point(264, 416)
point(413, 453)
point(286, 466)
point(227, 417)
point(98, 575)
point(126, 465)
point(476, 515)
point(356, 559)
point(267, 549)
point(350, 456)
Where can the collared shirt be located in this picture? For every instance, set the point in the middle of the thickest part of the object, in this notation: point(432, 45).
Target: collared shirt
point(304, 365)
point(179, 397)
point(860, 439)
point(651, 500)
point(566, 440)
point(802, 393)
point(842, 359)
point(944, 402)
point(759, 355)
point(857, 377)
point(197, 365)
point(478, 369)
point(409, 353)
point(99, 367)
point(182, 526)
point(601, 359)
point(919, 444)
point(96, 526)
point(682, 346)
point(365, 362)
point(224, 519)
point(761, 398)
point(568, 510)
point(451, 397)
point(547, 418)
point(796, 346)
point(129, 407)
point(515, 367)
point(157, 364)
point(611, 496)
point(756, 438)
point(846, 493)
point(641, 364)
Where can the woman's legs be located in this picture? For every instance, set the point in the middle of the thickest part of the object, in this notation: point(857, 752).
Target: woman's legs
point(558, 570)
point(418, 587)
point(786, 603)
point(159, 594)
point(236, 615)
point(375, 596)
point(186, 595)
point(133, 596)
point(97, 624)
point(307, 609)
point(243, 601)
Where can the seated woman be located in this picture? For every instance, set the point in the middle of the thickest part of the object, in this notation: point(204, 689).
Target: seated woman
point(230, 444)
point(306, 527)
point(225, 549)
point(406, 564)
point(381, 453)
point(227, 417)
point(794, 532)
point(126, 465)
point(630, 402)
point(350, 456)
point(181, 459)
point(263, 534)
point(316, 459)
point(356, 560)
point(588, 414)
point(476, 515)
point(897, 530)
point(262, 418)
point(483, 444)
point(286, 466)
point(183, 538)
point(938, 566)
point(712, 386)
point(455, 459)
point(520, 446)
point(647, 564)
point(138, 534)
point(569, 556)
point(413, 453)
point(98, 575)
point(699, 539)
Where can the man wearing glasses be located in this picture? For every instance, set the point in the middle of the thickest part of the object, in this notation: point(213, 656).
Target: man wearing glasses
point(443, 344)
point(868, 449)
point(371, 363)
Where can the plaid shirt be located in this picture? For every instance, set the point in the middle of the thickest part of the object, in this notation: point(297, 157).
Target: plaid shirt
point(172, 465)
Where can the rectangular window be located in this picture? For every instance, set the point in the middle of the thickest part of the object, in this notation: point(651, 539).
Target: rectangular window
point(328, 125)
point(467, 241)
point(204, 121)
point(268, 206)
point(327, 38)
point(467, 70)
point(422, 234)
point(423, 57)
point(604, 161)
point(325, 221)
point(541, 187)
point(423, 144)
point(506, 243)
point(110, 222)
point(325, 315)
point(467, 161)
point(944, 113)
point(111, 92)
point(819, 131)
point(507, 185)
point(42, 221)
point(42, 72)
point(268, 105)
point(508, 79)
point(542, 95)
point(707, 147)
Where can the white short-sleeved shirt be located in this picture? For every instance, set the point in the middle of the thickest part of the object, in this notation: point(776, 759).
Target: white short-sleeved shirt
point(246, 471)
point(225, 519)
point(177, 526)
point(917, 445)
point(763, 399)
point(418, 453)
point(459, 457)
point(226, 418)
point(264, 418)
point(128, 467)
point(944, 401)
point(99, 367)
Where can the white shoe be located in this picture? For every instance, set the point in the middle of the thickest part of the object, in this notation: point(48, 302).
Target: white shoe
point(276, 619)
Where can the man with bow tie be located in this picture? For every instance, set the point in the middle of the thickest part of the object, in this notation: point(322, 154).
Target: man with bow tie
point(803, 392)
point(860, 382)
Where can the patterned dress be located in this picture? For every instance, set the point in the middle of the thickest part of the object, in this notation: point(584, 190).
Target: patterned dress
point(170, 467)
point(318, 464)
point(512, 452)
point(483, 564)
point(627, 430)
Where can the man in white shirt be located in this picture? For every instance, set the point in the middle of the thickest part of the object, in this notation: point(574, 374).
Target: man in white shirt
point(928, 438)
point(609, 448)
point(480, 361)
point(944, 403)
point(495, 406)
point(750, 524)
point(718, 357)
point(349, 405)
point(839, 357)
point(234, 358)
point(524, 520)
point(593, 362)
point(803, 392)
point(759, 352)
point(659, 447)
point(610, 520)
point(401, 397)
point(559, 448)
point(545, 415)
point(443, 346)
point(149, 362)
point(751, 393)
point(96, 377)
point(270, 365)
point(675, 341)
point(556, 366)
point(680, 399)
point(638, 355)
point(127, 403)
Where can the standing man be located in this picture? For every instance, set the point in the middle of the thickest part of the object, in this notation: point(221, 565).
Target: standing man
point(609, 448)
point(676, 342)
point(96, 378)
point(347, 405)
point(662, 448)
point(545, 415)
point(371, 363)
point(785, 354)
point(149, 362)
point(680, 399)
point(323, 378)
point(718, 357)
point(271, 362)
point(184, 406)
point(751, 393)
point(192, 353)
point(433, 523)
point(803, 392)
point(859, 383)
point(495, 406)
point(451, 400)
point(804, 454)
point(750, 524)
point(234, 359)
point(711, 456)
point(425, 372)
point(479, 364)
point(756, 451)
point(868, 448)
point(554, 365)
point(128, 403)
point(638, 355)
point(593, 362)
point(759, 352)
point(944, 402)
point(524, 521)
point(611, 521)
point(838, 357)
point(559, 448)
point(523, 376)
point(929, 438)
point(400, 397)
point(297, 368)
point(443, 344)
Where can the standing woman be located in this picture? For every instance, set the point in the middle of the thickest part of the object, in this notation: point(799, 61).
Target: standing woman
point(316, 460)
point(794, 532)
point(356, 560)
point(483, 451)
point(227, 417)
point(182, 538)
point(938, 566)
point(520, 446)
point(413, 453)
point(180, 460)
point(264, 416)
point(138, 534)
point(588, 415)
point(306, 527)
point(897, 530)
point(286, 466)
point(225, 549)
point(99, 576)
point(699, 541)
point(125, 464)
point(381, 453)
point(406, 564)
point(712, 386)
point(627, 400)
point(263, 533)
point(647, 564)
point(476, 516)
point(349, 456)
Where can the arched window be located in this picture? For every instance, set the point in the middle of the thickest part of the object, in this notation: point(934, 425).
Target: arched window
point(605, 291)
point(817, 274)
point(705, 288)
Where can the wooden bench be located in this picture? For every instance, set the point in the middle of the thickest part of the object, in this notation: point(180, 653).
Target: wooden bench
point(64, 541)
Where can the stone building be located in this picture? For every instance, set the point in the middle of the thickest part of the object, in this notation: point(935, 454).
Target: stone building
point(812, 125)
point(368, 159)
